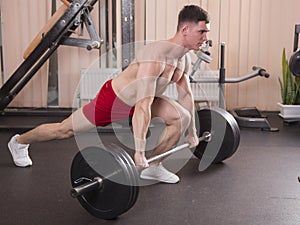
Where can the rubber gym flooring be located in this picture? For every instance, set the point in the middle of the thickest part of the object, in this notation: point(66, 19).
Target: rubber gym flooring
point(257, 186)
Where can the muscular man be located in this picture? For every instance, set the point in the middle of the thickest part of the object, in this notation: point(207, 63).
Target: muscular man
point(137, 92)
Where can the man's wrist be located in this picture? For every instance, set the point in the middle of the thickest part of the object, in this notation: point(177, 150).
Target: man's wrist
point(140, 144)
point(192, 131)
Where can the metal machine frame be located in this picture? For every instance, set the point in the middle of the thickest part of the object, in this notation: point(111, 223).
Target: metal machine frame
point(78, 13)
point(246, 117)
point(57, 35)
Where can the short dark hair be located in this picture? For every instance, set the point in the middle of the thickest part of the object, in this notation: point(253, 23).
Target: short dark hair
point(192, 13)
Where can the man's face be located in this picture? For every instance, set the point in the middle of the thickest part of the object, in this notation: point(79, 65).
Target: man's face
point(195, 35)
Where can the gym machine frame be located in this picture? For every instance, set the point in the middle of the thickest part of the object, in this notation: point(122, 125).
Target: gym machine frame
point(79, 10)
point(77, 14)
point(246, 117)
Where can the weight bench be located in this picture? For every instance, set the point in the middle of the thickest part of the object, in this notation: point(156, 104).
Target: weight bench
point(56, 32)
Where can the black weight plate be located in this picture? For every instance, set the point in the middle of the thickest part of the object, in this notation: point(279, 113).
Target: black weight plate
point(128, 177)
point(114, 196)
point(131, 174)
point(294, 63)
point(134, 176)
point(232, 133)
point(133, 184)
point(225, 140)
point(225, 135)
point(236, 130)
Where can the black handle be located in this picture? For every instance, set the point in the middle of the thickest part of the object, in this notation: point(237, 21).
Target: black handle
point(262, 72)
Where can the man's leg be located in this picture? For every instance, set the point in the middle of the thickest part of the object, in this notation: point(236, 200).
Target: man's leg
point(177, 120)
point(19, 144)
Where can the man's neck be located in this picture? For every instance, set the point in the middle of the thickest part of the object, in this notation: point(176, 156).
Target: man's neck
point(175, 48)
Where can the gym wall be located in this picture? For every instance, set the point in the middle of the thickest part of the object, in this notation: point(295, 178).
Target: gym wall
point(22, 20)
point(255, 32)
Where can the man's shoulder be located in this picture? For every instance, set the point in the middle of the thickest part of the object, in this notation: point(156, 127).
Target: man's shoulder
point(151, 52)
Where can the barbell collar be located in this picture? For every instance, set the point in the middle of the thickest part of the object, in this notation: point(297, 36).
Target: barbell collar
point(206, 136)
point(93, 185)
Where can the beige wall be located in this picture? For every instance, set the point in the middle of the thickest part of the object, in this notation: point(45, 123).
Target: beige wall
point(20, 24)
point(255, 32)
point(22, 20)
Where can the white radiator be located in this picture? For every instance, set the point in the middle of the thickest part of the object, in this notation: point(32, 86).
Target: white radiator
point(92, 80)
point(202, 92)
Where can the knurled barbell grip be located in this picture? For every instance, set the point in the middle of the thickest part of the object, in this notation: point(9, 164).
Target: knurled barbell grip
point(206, 136)
point(95, 184)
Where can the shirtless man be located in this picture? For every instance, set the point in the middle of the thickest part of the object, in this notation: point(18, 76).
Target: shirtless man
point(137, 92)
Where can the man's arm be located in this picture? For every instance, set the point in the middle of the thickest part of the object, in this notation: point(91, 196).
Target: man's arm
point(186, 99)
point(146, 85)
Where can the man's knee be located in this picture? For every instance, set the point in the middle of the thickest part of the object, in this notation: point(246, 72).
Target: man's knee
point(65, 131)
point(182, 120)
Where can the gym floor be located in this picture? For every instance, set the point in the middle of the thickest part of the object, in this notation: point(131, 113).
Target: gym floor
point(257, 185)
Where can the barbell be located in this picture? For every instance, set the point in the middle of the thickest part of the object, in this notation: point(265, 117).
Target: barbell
point(106, 182)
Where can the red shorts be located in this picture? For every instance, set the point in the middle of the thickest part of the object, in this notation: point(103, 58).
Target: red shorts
point(107, 107)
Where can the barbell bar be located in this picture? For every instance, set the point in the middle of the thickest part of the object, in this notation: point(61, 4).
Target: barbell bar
point(106, 181)
point(206, 136)
point(97, 182)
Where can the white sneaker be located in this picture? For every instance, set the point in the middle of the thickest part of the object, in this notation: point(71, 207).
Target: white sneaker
point(159, 173)
point(19, 152)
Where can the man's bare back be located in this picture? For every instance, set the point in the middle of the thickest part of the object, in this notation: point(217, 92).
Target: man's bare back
point(160, 62)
